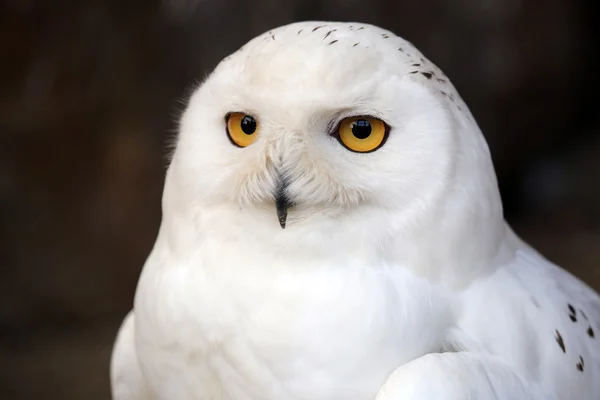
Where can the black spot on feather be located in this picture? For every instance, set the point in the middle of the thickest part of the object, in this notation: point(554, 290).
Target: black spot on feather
point(580, 364)
point(560, 341)
point(329, 33)
point(572, 313)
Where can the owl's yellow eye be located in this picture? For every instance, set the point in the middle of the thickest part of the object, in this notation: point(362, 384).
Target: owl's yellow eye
point(362, 134)
point(242, 129)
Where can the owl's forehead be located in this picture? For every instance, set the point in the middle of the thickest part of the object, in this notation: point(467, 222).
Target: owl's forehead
point(327, 54)
point(314, 65)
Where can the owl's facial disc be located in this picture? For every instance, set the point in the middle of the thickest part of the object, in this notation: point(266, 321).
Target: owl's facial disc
point(355, 133)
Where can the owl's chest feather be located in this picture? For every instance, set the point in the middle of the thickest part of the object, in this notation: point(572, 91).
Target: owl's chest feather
point(322, 332)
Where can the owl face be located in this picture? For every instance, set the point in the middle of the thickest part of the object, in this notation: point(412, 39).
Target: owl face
point(319, 120)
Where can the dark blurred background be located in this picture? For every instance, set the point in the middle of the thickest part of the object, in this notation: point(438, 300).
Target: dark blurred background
point(90, 91)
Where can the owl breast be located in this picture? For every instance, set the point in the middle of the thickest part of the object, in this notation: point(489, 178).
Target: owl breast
point(250, 330)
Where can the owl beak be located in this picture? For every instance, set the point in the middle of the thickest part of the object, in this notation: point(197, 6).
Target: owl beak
point(282, 202)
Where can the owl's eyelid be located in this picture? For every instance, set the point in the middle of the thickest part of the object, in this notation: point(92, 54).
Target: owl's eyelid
point(244, 112)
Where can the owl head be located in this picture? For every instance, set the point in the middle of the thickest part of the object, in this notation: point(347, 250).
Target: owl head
point(336, 127)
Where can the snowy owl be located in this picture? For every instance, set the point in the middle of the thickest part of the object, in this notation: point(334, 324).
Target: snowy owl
point(332, 230)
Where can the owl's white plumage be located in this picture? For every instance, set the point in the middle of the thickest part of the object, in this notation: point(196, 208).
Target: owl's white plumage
point(396, 276)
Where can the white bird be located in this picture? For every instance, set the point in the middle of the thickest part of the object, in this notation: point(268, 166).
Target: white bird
point(332, 230)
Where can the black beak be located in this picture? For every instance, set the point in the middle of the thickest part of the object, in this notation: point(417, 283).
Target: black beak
point(282, 205)
point(282, 202)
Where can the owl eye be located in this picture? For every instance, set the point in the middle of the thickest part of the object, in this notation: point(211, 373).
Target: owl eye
point(362, 134)
point(242, 129)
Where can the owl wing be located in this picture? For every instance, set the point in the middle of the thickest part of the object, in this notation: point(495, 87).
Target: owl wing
point(541, 319)
point(127, 382)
